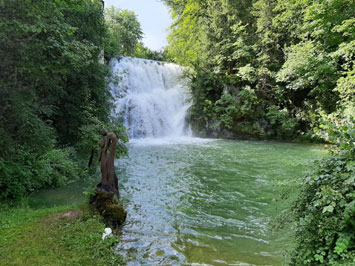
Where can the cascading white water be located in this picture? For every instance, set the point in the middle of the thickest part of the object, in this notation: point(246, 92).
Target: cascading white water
point(152, 97)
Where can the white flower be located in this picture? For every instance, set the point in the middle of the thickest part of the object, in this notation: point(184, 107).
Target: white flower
point(108, 232)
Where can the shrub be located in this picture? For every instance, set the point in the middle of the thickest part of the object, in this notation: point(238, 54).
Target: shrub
point(324, 212)
point(283, 125)
point(24, 172)
point(91, 135)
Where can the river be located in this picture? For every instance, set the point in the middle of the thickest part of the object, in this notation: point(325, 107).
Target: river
point(207, 202)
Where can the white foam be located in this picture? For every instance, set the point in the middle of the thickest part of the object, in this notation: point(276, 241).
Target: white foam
point(184, 140)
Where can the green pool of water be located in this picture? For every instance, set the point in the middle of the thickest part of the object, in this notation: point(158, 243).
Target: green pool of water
point(201, 202)
point(207, 202)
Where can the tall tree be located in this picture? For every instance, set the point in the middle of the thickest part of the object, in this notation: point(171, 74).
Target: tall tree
point(124, 32)
point(50, 81)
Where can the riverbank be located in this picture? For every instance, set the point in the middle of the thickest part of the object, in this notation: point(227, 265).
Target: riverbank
point(65, 235)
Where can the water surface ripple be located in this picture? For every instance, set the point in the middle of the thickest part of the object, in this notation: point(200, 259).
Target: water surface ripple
point(206, 203)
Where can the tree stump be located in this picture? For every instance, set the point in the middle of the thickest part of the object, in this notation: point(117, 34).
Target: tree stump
point(109, 181)
point(106, 195)
point(107, 206)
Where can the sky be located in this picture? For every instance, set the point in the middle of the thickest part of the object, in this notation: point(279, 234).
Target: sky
point(153, 16)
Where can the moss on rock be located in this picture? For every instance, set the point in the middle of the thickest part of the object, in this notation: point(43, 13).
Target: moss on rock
point(107, 206)
point(114, 214)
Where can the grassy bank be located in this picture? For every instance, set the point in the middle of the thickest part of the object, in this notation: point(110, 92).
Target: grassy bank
point(66, 235)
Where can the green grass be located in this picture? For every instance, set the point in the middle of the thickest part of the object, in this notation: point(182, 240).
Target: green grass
point(63, 235)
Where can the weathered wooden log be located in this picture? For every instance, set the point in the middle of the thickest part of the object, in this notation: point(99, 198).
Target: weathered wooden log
point(106, 195)
point(109, 181)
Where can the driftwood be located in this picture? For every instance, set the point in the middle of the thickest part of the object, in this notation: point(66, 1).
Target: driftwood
point(109, 180)
point(105, 198)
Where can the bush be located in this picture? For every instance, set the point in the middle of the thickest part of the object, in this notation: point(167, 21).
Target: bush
point(91, 135)
point(340, 131)
point(23, 172)
point(324, 212)
point(283, 125)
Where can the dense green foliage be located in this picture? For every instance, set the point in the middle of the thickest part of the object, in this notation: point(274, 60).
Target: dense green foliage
point(90, 136)
point(53, 88)
point(27, 172)
point(124, 31)
point(50, 76)
point(146, 53)
point(265, 68)
point(324, 212)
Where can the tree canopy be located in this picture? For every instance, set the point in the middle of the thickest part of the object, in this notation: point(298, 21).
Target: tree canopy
point(123, 32)
point(289, 62)
point(53, 88)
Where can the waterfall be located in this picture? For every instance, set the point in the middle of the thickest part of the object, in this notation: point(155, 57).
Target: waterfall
point(151, 96)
